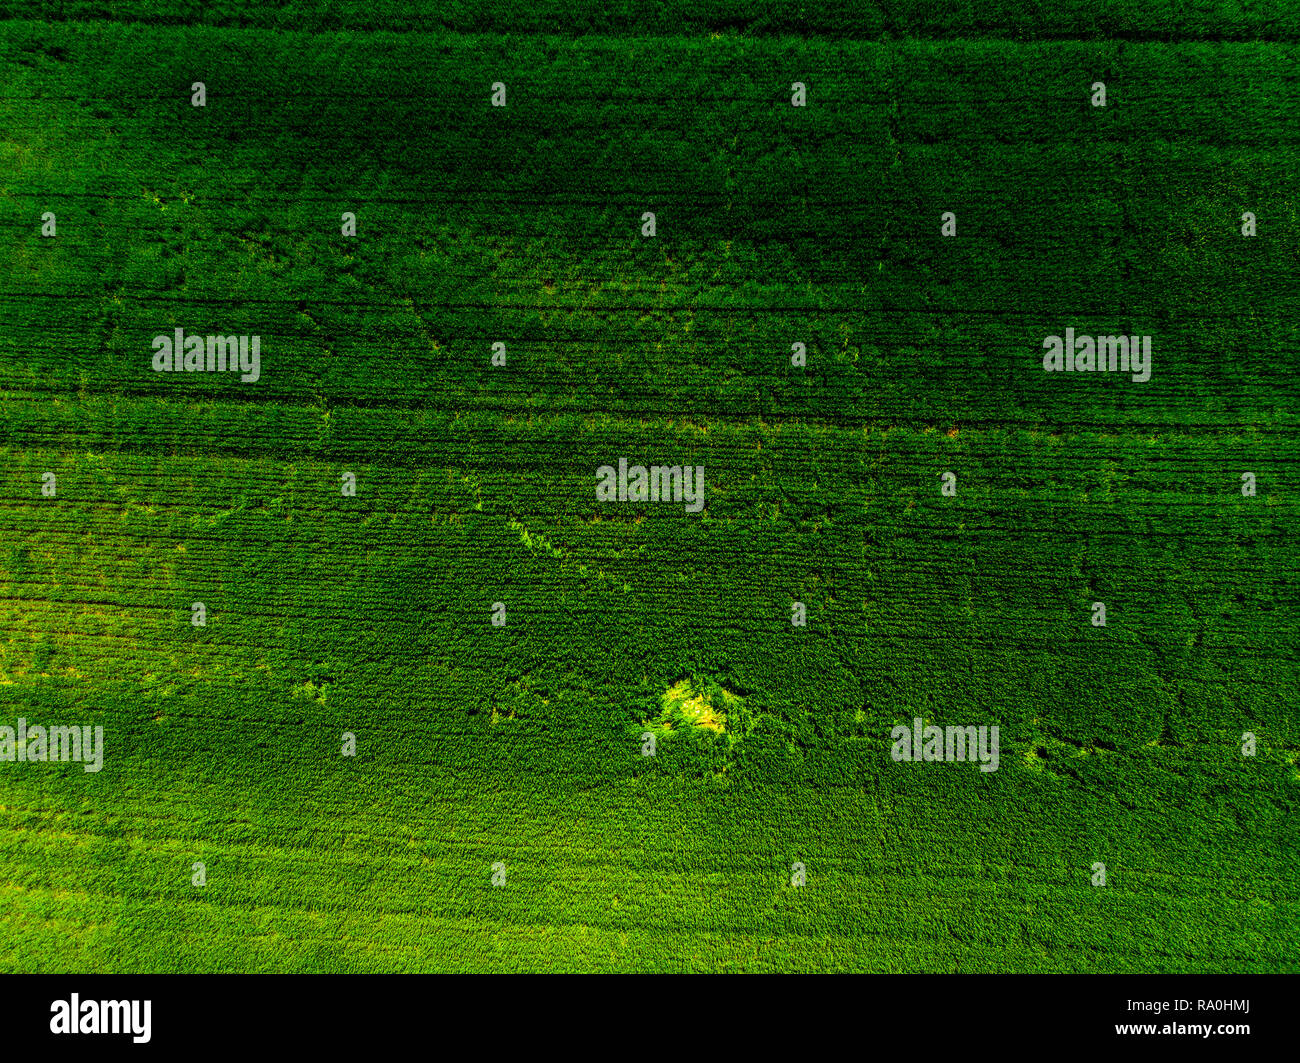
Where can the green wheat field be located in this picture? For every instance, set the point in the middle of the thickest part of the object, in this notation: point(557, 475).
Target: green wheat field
point(407, 729)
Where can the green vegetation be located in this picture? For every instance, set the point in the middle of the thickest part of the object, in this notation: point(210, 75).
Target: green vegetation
point(522, 744)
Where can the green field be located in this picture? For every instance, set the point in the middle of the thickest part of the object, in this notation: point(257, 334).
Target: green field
point(521, 745)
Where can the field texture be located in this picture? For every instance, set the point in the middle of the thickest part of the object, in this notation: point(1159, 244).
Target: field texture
point(498, 811)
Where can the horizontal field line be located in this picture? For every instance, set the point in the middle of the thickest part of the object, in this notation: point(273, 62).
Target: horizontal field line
point(780, 96)
point(1016, 138)
point(858, 423)
point(154, 295)
point(504, 197)
point(1248, 36)
point(826, 240)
